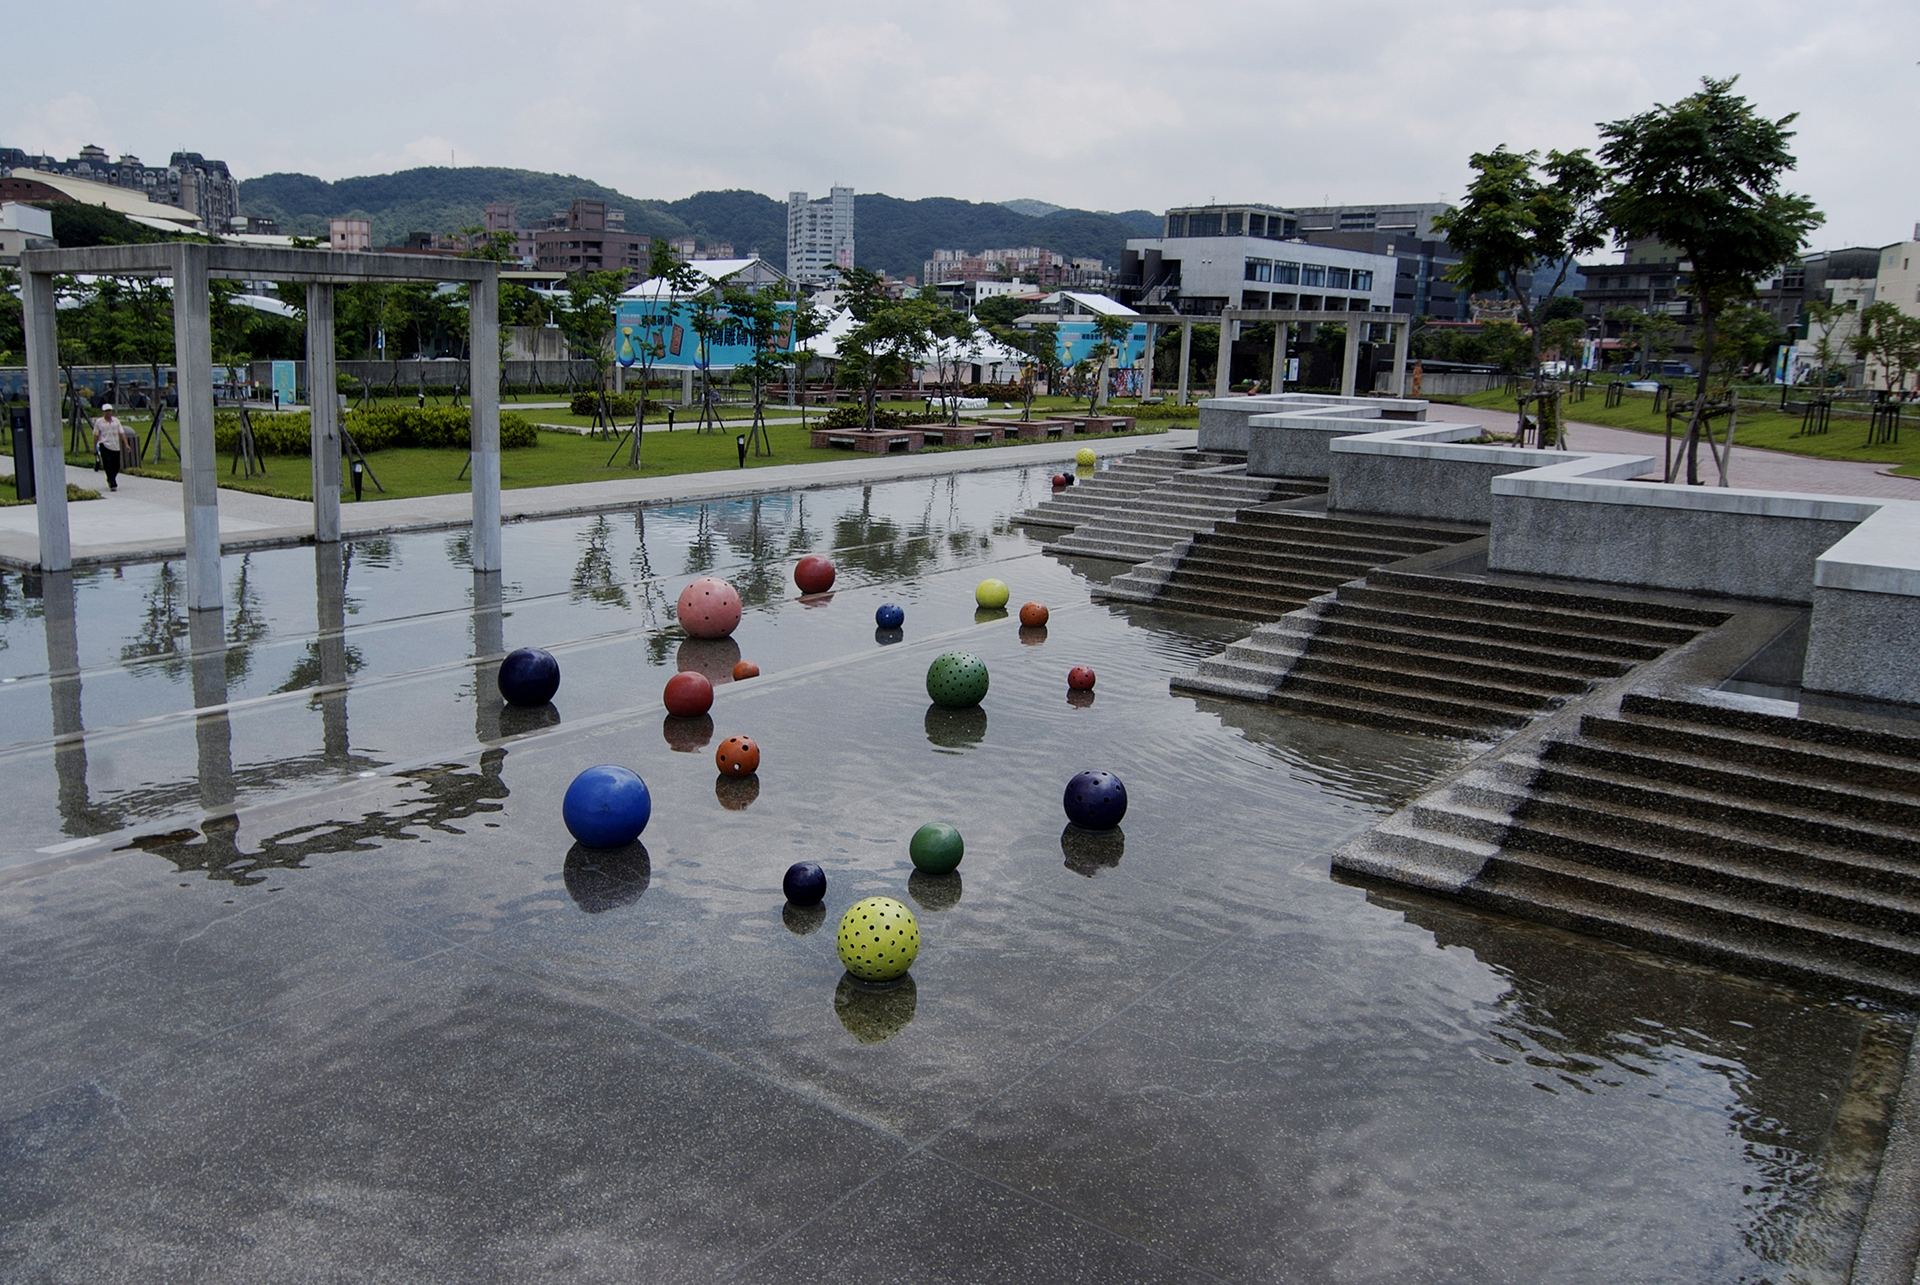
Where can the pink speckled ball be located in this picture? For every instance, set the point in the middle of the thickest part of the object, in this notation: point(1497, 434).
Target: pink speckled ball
point(709, 608)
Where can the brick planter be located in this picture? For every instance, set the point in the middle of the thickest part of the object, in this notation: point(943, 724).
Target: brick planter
point(904, 441)
point(970, 433)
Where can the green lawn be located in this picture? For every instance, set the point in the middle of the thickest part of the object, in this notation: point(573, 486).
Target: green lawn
point(1760, 426)
point(559, 458)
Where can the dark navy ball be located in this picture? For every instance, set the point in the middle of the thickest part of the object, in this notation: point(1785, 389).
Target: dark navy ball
point(1095, 800)
point(805, 884)
point(607, 806)
point(890, 616)
point(529, 676)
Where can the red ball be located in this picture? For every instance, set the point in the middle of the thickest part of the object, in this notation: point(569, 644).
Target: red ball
point(688, 694)
point(1080, 678)
point(1033, 614)
point(737, 756)
point(814, 574)
point(744, 670)
point(1059, 481)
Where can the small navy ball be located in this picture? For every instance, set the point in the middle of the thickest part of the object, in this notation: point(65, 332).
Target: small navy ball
point(890, 616)
point(607, 806)
point(529, 676)
point(1095, 800)
point(805, 884)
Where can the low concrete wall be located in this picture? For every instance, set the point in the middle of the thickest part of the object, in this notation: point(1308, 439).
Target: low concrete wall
point(1866, 610)
point(1224, 421)
point(1441, 383)
point(1424, 473)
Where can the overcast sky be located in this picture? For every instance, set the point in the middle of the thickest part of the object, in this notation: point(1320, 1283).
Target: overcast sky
point(1107, 105)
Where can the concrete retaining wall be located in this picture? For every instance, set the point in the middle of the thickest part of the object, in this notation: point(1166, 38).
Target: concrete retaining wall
point(1441, 383)
point(1224, 421)
point(1425, 473)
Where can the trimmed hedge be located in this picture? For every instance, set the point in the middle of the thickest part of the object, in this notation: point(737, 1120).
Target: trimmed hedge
point(854, 415)
point(621, 404)
point(446, 428)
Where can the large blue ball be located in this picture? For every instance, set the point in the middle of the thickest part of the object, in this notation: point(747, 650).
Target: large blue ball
point(890, 616)
point(1095, 800)
point(529, 676)
point(607, 806)
point(805, 884)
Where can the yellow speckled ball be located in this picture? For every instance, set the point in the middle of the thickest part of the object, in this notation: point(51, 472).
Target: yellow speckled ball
point(879, 939)
point(1086, 456)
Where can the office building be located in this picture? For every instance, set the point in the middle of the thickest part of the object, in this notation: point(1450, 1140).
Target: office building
point(819, 236)
point(1248, 256)
point(592, 239)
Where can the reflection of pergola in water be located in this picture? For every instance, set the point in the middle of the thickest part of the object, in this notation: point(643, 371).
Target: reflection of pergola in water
point(191, 266)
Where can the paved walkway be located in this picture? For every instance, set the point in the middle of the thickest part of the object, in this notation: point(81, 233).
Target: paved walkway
point(1753, 470)
point(143, 519)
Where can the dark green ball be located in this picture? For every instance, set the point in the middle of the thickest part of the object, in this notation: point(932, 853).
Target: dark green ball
point(957, 679)
point(936, 848)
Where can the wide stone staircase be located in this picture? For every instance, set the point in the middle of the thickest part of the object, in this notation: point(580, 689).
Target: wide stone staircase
point(1443, 655)
point(1269, 561)
point(1784, 845)
point(1153, 500)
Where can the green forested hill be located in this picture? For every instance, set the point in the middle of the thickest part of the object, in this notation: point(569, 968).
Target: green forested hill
point(890, 233)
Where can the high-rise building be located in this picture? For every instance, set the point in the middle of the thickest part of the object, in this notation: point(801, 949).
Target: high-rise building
point(819, 236)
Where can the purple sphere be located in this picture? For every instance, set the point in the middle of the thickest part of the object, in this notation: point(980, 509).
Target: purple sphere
point(529, 676)
point(1095, 800)
point(805, 884)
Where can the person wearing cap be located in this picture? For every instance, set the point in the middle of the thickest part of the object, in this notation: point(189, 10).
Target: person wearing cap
point(110, 437)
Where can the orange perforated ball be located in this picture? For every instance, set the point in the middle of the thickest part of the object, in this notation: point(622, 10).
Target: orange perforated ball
point(737, 756)
point(1033, 614)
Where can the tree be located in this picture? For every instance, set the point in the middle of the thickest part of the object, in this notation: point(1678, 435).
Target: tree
point(951, 335)
point(1041, 347)
point(673, 279)
point(1890, 338)
point(888, 336)
point(1748, 335)
point(1703, 176)
point(1823, 319)
point(593, 300)
point(760, 320)
point(808, 324)
point(1523, 217)
point(1108, 333)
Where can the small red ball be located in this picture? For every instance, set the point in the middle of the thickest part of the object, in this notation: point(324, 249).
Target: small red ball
point(745, 669)
point(688, 694)
point(1059, 481)
point(737, 756)
point(814, 574)
point(1033, 614)
point(1080, 678)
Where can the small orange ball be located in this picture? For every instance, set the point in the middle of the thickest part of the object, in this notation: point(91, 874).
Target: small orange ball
point(737, 756)
point(1033, 615)
point(745, 669)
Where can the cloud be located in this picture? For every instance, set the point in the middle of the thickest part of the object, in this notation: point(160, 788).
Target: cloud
point(1110, 104)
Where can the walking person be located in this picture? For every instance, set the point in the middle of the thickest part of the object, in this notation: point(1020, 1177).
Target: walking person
point(109, 440)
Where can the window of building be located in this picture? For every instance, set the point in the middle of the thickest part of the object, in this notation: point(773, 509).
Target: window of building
point(1176, 225)
point(1286, 273)
point(1203, 225)
point(1314, 274)
point(1259, 269)
point(1362, 279)
point(1339, 279)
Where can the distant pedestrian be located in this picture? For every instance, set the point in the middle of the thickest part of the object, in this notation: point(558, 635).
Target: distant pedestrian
point(110, 438)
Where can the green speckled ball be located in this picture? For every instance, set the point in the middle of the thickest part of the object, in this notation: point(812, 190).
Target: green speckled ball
point(936, 848)
point(879, 939)
point(957, 679)
point(992, 593)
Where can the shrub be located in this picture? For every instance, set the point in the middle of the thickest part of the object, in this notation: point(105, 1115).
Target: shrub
point(622, 405)
point(290, 433)
point(995, 392)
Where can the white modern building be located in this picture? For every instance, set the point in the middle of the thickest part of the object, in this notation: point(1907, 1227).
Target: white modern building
point(819, 236)
point(1244, 258)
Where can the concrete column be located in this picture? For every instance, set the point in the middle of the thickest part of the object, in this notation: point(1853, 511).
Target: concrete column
point(1279, 380)
point(619, 378)
point(489, 642)
point(63, 689)
point(686, 387)
point(1186, 359)
point(1146, 375)
point(49, 434)
point(212, 732)
point(1402, 334)
point(1350, 360)
point(321, 384)
point(330, 613)
point(199, 464)
point(1223, 366)
point(483, 327)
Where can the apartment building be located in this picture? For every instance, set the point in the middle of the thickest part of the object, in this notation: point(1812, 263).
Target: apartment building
point(819, 236)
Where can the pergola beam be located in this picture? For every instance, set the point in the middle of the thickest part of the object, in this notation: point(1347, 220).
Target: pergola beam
point(258, 263)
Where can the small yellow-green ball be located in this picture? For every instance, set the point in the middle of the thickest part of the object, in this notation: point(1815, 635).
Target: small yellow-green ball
point(879, 939)
point(1086, 457)
point(992, 593)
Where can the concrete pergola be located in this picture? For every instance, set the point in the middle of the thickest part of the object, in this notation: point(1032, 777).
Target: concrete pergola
point(1284, 320)
point(191, 266)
